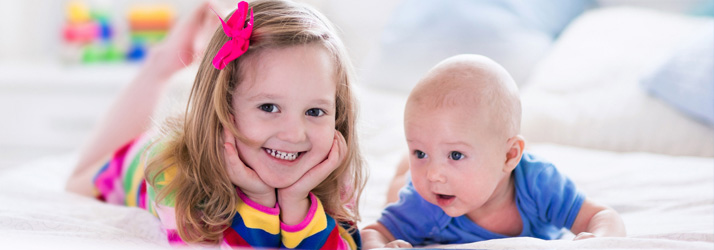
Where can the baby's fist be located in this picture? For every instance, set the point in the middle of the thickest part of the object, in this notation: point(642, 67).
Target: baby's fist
point(584, 235)
point(398, 244)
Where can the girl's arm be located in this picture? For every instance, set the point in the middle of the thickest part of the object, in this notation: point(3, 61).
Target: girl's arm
point(595, 220)
point(304, 223)
point(296, 197)
point(317, 231)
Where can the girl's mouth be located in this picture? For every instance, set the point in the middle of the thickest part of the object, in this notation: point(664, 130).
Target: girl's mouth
point(282, 155)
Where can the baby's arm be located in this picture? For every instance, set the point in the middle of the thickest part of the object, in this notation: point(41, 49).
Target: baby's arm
point(399, 180)
point(596, 220)
point(378, 236)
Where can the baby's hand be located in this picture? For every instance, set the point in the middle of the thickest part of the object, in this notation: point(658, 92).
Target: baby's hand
point(298, 191)
point(244, 177)
point(398, 244)
point(584, 235)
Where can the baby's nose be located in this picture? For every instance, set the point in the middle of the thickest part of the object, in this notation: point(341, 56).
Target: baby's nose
point(434, 173)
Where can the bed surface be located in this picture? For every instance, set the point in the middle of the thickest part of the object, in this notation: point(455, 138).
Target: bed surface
point(622, 147)
point(666, 201)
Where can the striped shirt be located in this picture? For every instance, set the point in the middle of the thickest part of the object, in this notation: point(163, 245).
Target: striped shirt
point(121, 181)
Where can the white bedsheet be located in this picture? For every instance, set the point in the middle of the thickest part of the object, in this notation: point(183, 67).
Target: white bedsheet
point(665, 201)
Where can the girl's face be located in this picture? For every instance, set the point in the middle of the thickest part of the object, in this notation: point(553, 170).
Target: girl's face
point(285, 107)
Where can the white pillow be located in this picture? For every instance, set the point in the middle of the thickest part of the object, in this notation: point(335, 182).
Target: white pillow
point(586, 91)
point(422, 33)
point(686, 79)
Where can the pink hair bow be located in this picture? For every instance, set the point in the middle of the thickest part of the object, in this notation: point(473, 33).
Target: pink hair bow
point(239, 35)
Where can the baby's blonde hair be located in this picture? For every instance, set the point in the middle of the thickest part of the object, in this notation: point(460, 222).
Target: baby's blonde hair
point(472, 82)
point(205, 198)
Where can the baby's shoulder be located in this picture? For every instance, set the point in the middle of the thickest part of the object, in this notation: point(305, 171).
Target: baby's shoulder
point(534, 172)
point(532, 164)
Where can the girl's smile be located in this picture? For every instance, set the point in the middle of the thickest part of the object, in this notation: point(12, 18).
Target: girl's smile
point(285, 156)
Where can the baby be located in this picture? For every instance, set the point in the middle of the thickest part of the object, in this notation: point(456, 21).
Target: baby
point(471, 179)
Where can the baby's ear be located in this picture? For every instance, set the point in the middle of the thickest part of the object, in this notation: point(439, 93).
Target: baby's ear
point(516, 145)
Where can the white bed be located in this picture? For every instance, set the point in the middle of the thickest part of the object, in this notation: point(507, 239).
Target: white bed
point(626, 149)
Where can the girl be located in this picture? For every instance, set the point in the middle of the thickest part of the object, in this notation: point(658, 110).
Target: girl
point(266, 154)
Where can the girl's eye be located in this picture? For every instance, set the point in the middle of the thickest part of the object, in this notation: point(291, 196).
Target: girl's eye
point(315, 112)
point(419, 154)
point(455, 155)
point(270, 108)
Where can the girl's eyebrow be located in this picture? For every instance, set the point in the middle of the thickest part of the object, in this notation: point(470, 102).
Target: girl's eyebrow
point(267, 96)
point(263, 96)
point(325, 102)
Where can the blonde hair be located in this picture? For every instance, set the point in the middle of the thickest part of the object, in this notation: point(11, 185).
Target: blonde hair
point(472, 82)
point(205, 198)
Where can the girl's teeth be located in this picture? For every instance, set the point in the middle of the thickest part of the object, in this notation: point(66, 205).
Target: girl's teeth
point(282, 155)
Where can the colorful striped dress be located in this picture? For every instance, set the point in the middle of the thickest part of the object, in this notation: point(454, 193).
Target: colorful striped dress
point(121, 181)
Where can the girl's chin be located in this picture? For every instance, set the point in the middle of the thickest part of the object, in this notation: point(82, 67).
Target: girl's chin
point(280, 176)
point(280, 184)
point(280, 181)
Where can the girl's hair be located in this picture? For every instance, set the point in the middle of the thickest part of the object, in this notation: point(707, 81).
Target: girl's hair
point(205, 198)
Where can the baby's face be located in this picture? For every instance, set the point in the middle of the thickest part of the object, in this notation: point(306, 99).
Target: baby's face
point(286, 107)
point(456, 161)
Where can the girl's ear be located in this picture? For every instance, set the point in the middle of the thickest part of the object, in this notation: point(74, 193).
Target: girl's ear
point(516, 145)
point(230, 126)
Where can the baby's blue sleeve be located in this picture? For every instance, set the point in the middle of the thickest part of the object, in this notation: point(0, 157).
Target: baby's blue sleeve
point(412, 218)
point(557, 198)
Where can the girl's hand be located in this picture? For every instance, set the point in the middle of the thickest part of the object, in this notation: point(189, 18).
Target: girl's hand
point(186, 40)
point(295, 197)
point(244, 177)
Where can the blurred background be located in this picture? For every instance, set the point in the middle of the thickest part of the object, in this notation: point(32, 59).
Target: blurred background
point(62, 61)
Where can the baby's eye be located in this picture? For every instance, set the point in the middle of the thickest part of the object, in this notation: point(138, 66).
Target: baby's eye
point(315, 112)
point(456, 155)
point(268, 107)
point(419, 154)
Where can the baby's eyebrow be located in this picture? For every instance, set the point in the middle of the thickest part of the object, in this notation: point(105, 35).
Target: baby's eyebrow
point(462, 143)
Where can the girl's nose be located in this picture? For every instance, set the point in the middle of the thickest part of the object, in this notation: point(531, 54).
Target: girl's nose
point(293, 130)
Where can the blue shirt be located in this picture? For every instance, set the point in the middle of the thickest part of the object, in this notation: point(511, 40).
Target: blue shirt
point(547, 201)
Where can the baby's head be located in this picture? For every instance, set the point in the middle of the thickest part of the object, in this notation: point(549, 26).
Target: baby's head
point(462, 124)
point(474, 85)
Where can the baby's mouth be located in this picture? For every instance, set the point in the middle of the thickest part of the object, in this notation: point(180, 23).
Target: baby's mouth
point(444, 196)
point(282, 155)
point(444, 200)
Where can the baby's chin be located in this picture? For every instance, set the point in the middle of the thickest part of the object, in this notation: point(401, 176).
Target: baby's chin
point(450, 211)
